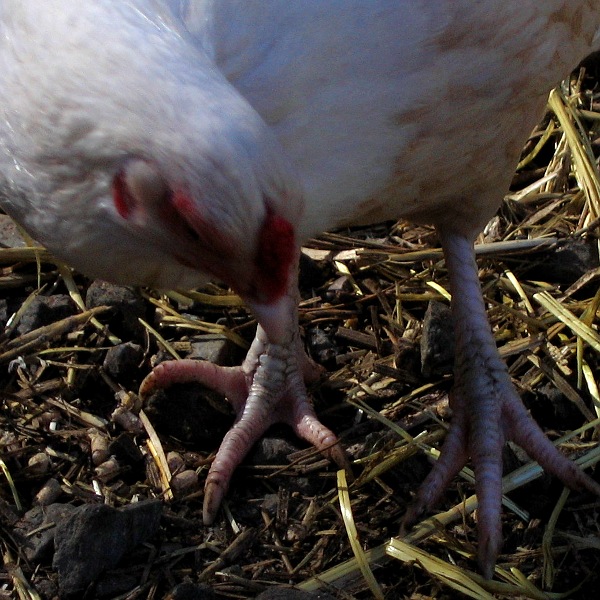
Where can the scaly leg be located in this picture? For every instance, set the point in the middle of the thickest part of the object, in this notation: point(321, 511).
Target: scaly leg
point(487, 411)
point(267, 388)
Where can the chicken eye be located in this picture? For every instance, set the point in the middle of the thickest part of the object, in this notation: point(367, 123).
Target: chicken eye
point(139, 189)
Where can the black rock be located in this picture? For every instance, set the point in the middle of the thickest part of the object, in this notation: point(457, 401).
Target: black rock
point(115, 584)
point(96, 537)
point(122, 361)
point(272, 451)
point(215, 348)
point(35, 531)
point(44, 310)
point(312, 273)
point(125, 449)
point(129, 307)
point(437, 340)
point(191, 591)
point(321, 346)
point(566, 263)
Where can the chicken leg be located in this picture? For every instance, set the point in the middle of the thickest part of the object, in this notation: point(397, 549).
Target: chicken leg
point(268, 388)
point(487, 411)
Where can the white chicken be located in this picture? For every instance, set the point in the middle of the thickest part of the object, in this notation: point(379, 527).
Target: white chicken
point(162, 143)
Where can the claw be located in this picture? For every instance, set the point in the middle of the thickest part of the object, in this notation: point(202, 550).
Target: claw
point(268, 388)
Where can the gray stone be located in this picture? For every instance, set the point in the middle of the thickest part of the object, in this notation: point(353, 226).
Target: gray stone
point(96, 537)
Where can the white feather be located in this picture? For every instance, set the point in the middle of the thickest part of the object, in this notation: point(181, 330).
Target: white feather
point(339, 112)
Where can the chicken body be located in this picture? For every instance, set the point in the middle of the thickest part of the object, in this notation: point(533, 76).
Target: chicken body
point(166, 142)
point(451, 90)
